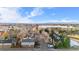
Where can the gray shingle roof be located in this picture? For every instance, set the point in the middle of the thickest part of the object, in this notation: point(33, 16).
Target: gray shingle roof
point(5, 41)
point(28, 40)
point(1, 41)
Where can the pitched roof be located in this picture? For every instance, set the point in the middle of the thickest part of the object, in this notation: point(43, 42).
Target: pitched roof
point(5, 41)
point(28, 40)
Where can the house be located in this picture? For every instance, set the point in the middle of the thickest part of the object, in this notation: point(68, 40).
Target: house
point(1, 34)
point(1, 43)
point(13, 41)
point(28, 43)
point(6, 43)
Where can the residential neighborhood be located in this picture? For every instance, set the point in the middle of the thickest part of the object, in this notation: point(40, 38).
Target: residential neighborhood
point(39, 28)
point(38, 36)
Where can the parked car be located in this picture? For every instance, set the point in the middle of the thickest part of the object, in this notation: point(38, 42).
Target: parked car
point(50, 46)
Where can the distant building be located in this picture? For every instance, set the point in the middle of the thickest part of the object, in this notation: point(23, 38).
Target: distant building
point(5, 43)
point(28, 43)
point(1, 45)
point(1, 32)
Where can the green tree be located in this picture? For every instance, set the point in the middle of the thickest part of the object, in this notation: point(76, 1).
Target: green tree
point(66, 42)
point(46, 30)
point(5, 35)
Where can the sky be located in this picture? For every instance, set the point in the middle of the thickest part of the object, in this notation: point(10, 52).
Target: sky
point(39, 14)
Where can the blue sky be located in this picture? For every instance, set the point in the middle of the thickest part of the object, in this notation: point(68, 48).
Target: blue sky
point(39, 15)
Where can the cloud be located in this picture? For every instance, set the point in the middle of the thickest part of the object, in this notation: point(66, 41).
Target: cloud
point(69, 20)
point(64, 20)
point(11, 15)
point(35, 12)
point(8, 14)
point(60, 21)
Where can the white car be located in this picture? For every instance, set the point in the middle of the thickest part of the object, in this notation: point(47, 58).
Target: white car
point(50, 46)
